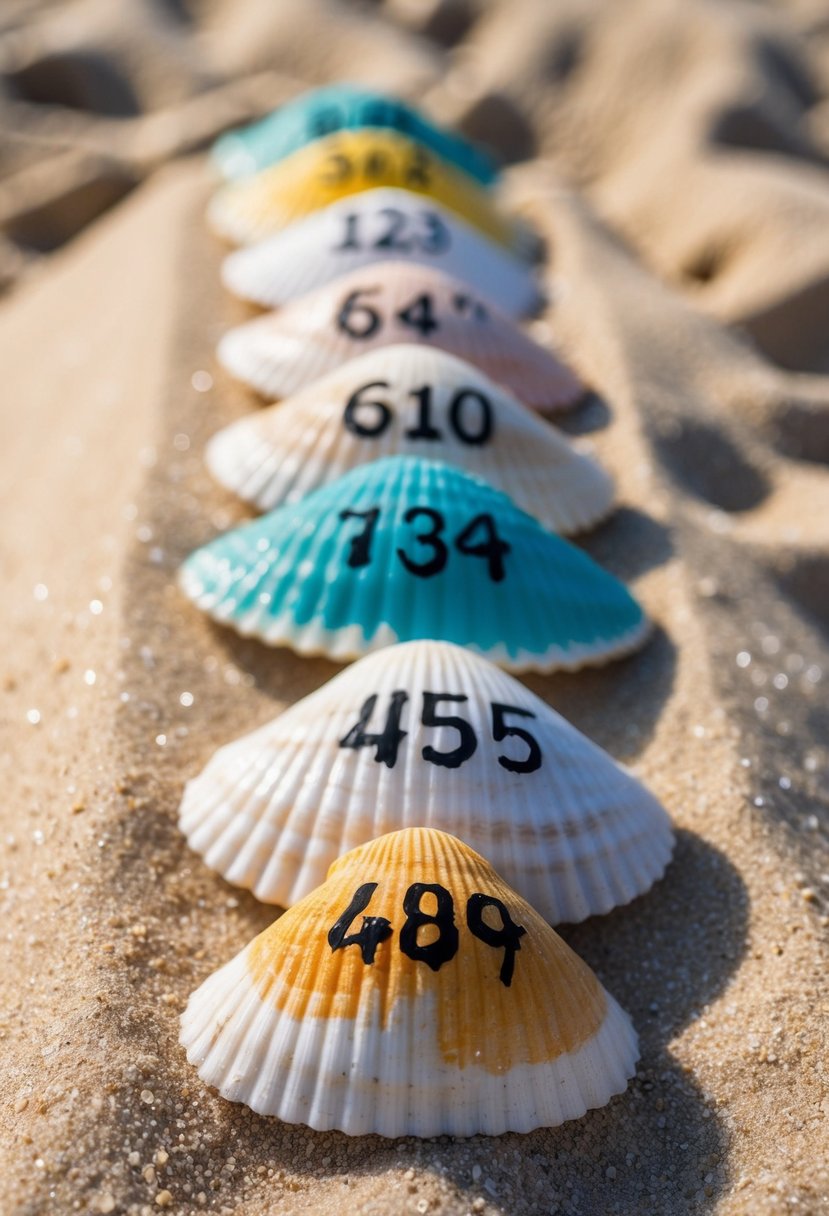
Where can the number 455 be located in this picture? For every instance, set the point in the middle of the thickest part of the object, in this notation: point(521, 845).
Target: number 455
point(387, 742)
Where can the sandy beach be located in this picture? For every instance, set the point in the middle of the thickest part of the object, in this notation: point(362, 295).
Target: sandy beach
point(673, 156)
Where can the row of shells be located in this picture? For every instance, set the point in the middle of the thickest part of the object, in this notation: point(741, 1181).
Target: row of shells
point(417, 505)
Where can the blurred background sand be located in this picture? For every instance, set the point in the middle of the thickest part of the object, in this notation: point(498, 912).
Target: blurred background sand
point(674, 156)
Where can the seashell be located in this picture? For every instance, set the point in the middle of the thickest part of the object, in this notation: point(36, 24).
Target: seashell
point(413, 993)
point(382, 305)
point(427, 733)
point(321, 112)
point(343, 164)
point(372, 227)
point(406, 548)
point(409, 400)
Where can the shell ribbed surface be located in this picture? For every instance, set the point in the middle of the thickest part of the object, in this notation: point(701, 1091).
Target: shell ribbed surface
point(413, 993)
point(383, 305)
point(565, 825)
point(364, 229)
point(343, 164)
point(409, 400)
point(405, 548)
point(320, 112)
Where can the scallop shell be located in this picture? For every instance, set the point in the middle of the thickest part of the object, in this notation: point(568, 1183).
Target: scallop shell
point(409, 400)
point(372, 227)
point(450, 1007)
point(570, 829)
point(343, 164)
point(406, 548)
point(379, 306)
point(320, 112)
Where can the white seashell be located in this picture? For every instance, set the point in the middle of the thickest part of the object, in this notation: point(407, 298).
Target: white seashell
point(366, 754)
point(372, 227)
point(409, 400)
point(384, 305)
point(450, 1007)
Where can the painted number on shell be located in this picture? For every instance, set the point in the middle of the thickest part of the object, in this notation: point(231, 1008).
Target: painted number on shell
point(397, 233)
point(433, 714)
point(469, 415)
point(377, 165)
point(430, 551)
point(360, 319)
point(440, 943)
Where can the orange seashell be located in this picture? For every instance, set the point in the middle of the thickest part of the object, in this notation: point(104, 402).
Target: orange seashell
point(413, 993)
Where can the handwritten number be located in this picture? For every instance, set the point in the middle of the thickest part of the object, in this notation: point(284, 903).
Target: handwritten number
point(417, 171)
point(361, 428)
point(500, 730)
point(434, 237)
point(359, 553)
point(468, 742)
point(424, 428)
point(507, 937)
point(356, 318)
point(459, 423)
point(392, 238)
point(431, 538)
point(340, 170)
point(441, 948)
point(468, 306)
point(491, 547)
point(374, 930)
point(437, 238)
point(387, 743)
point(351, 239)
point(445, 946)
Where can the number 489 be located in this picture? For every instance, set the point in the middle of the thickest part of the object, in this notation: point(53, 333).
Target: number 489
point(437, 949)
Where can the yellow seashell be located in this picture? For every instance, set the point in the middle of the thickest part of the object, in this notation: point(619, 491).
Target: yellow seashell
point(413, 993)
point(343, 164)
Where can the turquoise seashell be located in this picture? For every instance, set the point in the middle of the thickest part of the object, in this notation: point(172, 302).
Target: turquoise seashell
point(408, 548)
point(340, 107)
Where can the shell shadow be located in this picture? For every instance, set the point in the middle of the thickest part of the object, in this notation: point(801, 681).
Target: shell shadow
point(688, 935)
point(592, 413)
point(629, 543)
point(708, 465)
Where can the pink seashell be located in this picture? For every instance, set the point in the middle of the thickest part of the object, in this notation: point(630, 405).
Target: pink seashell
point(387, 304)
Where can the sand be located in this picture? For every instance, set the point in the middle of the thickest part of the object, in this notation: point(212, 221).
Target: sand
point(677, 171)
